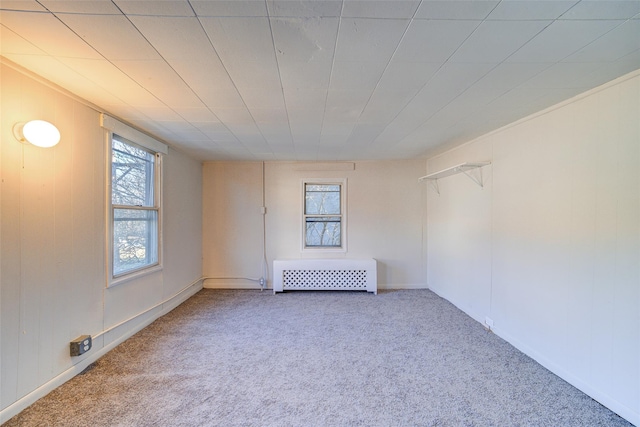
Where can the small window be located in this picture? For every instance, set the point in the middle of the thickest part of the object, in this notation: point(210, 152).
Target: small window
point(324, 215)
point(135, 207)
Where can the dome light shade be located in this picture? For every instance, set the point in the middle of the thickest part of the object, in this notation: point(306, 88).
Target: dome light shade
point(37, 132)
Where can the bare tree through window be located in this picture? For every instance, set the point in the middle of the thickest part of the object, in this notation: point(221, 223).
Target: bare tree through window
point(135, 211)
point(323, 215)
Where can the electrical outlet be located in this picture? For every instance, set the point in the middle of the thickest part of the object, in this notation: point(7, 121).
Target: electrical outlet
point(488, 322)
point(80, 345)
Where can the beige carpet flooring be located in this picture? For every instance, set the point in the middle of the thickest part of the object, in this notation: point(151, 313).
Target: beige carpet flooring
point(249, 358)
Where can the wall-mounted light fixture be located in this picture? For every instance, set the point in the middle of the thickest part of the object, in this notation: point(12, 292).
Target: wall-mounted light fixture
point(37, 132)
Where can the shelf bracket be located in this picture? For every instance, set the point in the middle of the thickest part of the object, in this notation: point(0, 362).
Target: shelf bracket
point(434, 184)
point(477, 179)
point(465, 168)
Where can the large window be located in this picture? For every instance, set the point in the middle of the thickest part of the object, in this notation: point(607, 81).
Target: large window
point(323, 220)
point(135, 207)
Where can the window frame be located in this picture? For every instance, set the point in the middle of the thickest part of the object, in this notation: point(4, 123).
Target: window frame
point(342, 182)
point(116, 279)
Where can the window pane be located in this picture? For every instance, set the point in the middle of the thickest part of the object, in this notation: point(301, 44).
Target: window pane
point(132, 175)
point(322, 199)
point(323, 231)
point(135, 239)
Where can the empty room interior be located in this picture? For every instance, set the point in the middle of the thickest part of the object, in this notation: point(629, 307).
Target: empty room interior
point(486, 152)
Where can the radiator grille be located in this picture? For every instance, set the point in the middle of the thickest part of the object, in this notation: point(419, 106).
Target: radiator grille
point(324, 279)
point(325, 274)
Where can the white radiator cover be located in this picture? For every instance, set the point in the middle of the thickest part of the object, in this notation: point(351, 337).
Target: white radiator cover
point(325, 274)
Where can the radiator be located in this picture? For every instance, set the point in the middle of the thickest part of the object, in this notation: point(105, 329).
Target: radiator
point(325, 274)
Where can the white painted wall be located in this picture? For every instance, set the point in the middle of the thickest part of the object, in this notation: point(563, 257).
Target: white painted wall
point(385, 210)
point(550, 248)
point(52, 244)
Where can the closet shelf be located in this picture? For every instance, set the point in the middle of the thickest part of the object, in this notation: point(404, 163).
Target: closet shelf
point(454, 170)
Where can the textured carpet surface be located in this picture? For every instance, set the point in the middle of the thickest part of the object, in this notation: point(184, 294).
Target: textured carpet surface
point(249, 358)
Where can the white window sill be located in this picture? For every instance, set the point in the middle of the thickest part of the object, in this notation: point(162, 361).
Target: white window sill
point(114, 281)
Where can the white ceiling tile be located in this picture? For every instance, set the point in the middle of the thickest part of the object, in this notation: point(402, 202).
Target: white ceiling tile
point(493, 41)
point(380, 9)
point(348, 104)
point(263, 98)
point(530, 9)
point(59, 73)
point(125, 112)
point(306, 99)
point(55, 71)
point(603, 9)
point(10, 42)
point(107, 75)
point(433, 41)
point(467, 104)
point(448, 83)
point(48, 33)
point(305, 75)
point(271, 129)
point(595, 76)
point(401, 126)
point(306, 117)
point(149, 73)
point(356, 76)
point(396, 88)
point(336, 130)
point(250, 137)
point(221, 137)
point(212, 128)
point(215, 98)
point(240, 39)
point(96, 7)
point(254, 74)
point(177, 96)
point(160, 113)
point(342, 114)
point(620, 67)
point(229, 7)
point(368, 39)
point(458, 9)
point(197, 114)
point(204, 73)
point(155, 7)
point(25, 5)
point(304, 39)
point(511, 74)
point(561, 39)
point(304, 8)
point(189, 135)
point(617, 43)
point(122, 41)
point(563, 75)
point(234, 116)
point(276, 116)
point(174, 37)
point(380, 115)
point(406, 77)
point(366, 133)
point(520, 102)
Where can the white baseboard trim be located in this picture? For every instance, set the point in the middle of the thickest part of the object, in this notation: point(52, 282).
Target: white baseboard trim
point(230, 284)
point(241, 284)
point(631, 415)
point(400, 286)
point(624, 411)
point(128, 328)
